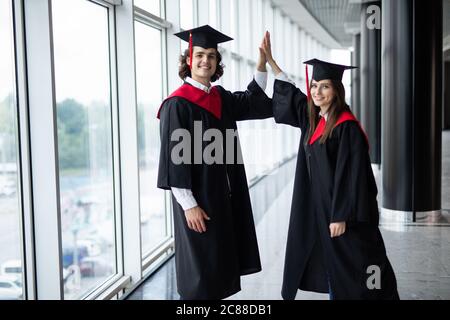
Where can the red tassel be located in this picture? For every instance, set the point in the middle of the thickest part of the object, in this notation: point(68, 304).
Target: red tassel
point(307, 83)
point(190, 51)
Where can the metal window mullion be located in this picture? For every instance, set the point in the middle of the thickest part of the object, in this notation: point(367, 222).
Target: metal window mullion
point(44, 148)
point(162, 9)
point(195, 13)
point(150, 19)
point(27, 234)
point(115, 143)
point(127, 113)
point(165, 89)
point(108, 3)
point(172, 80)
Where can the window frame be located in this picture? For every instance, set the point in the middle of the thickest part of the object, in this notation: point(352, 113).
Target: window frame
point(165, 247)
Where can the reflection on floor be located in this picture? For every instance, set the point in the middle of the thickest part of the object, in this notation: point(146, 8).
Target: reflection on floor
point(162, 285)
point(419, 253)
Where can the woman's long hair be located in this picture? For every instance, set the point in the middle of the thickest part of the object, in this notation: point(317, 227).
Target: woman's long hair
point(337, 106)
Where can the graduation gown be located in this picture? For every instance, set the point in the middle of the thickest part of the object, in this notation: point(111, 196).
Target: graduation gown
point(209, 265)
point(334, 182)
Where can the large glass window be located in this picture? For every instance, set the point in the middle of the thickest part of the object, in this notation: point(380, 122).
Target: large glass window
point(84, 120)
point(226, 13)
point(10, 240)
point(152, 6)
point(243, 24)
point(257, 25)
point(186, 14)
point(278, 38)
point(213, 14)
point(149, 98)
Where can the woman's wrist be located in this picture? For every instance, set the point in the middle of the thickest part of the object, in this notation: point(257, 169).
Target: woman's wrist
point(275, 68)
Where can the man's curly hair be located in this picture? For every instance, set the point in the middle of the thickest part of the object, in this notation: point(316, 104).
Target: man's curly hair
point(184, 70)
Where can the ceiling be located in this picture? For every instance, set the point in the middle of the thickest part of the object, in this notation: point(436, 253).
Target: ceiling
point(333, 22)
point(335, 15)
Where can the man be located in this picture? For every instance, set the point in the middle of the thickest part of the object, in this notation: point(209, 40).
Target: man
point(215, 239)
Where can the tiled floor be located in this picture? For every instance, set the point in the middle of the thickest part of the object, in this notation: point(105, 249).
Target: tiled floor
point(419, 254)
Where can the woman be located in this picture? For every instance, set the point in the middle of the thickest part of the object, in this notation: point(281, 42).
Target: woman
point(334, 244)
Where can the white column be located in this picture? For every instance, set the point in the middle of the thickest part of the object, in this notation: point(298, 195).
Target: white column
point(44, 148)
point(126, 73)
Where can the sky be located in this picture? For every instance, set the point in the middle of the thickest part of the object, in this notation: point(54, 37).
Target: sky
point(6, 52)
point(80, 32)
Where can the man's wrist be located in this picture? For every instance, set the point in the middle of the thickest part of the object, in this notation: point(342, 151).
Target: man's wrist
point(261, 68)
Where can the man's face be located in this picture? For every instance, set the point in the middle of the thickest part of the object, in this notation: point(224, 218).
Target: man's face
point(204, 63)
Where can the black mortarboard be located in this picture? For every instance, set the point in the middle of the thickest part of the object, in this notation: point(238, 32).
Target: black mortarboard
point(324, 70)
point(204, 36)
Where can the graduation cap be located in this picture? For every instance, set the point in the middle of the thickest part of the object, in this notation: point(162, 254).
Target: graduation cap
point(325, 70)
point(204, 36)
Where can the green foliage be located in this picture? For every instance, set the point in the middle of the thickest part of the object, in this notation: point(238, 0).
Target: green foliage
point(72, 135)
point(8, 129)
point(84, 135)
point(7, 115)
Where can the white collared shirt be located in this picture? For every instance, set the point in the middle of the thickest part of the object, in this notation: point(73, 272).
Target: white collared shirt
point(184, 196)
point(324, 115)
point(198, 85)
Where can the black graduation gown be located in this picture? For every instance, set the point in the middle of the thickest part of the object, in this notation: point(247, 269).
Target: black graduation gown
point(333, 182)
point(209, 265)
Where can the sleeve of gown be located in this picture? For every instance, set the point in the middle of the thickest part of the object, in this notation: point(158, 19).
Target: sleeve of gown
point(250, 104)
point(175, 123)
point(290, 105)
point(354, 192)
point(261, 79)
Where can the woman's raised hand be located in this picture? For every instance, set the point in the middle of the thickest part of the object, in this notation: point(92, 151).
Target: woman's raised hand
point(267, 48)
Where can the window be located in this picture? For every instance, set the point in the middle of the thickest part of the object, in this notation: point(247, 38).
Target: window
point(85, 154)
point(10, 240)
point(244, 25)
point(257, 25)
point(288, 45)
point(226, 14)
point(213, 14)
point(186, 14)
point(277, 38)
point(152, 6)
point(149, 97)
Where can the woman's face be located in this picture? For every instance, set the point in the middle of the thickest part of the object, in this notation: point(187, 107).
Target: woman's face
point(322, 92)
